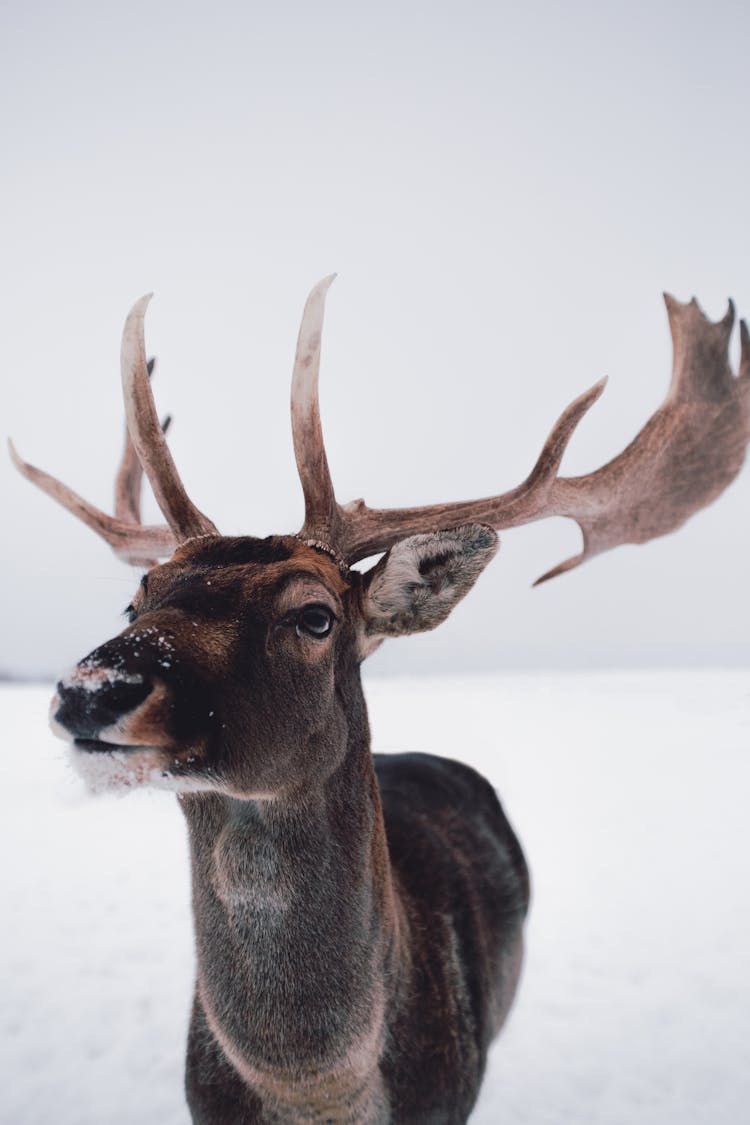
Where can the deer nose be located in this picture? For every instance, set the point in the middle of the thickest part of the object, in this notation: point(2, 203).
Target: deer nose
point(85, 706)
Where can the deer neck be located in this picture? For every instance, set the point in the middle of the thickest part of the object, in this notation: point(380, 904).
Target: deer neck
point(297, 927)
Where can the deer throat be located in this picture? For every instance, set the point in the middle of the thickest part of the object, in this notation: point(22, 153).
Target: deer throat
point(293, 933)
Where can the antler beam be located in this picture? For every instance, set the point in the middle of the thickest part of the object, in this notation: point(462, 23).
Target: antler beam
point(685, 455)
point(322, 513)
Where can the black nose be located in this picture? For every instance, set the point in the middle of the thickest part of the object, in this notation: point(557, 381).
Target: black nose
point(86, 710)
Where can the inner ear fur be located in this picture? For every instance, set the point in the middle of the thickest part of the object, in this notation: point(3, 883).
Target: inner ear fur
point(416, 585)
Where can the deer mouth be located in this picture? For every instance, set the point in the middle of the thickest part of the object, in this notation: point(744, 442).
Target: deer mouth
point(113, 767)
point(94, 745)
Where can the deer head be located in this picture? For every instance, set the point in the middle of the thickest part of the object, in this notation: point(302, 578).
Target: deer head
point(243, 642)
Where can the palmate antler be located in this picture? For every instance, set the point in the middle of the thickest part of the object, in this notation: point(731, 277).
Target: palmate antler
point(682, 459)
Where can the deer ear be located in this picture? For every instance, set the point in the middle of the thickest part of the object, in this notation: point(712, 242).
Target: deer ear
point(416, 585)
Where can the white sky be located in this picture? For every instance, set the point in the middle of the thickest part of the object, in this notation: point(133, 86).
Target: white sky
point(504, 190)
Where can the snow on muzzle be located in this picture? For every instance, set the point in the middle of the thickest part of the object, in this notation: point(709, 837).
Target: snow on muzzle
point(90, 702)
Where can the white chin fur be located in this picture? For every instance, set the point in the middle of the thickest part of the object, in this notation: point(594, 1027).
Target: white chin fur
point(119, 771)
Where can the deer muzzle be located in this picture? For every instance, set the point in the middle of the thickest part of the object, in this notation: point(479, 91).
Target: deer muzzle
point(117, 709)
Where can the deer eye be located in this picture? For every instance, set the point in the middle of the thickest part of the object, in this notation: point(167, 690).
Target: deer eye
point(314, 620)
point(130, 613)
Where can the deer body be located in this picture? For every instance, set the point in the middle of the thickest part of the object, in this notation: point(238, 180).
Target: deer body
point(358, 920)
point(358, 923)
point(328, 999)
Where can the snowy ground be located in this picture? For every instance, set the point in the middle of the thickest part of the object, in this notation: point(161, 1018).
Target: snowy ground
point(630, 793)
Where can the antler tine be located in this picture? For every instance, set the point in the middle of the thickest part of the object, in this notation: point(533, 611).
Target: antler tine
point(185, 520)
point(130, 541)
point(700, 349)
point(128, 481)
point(130, 475)
point(322, 514)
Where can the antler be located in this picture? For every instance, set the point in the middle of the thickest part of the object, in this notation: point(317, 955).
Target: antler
point(681, 460)
point(130, 474)
point(185, 520)
point(145, 448)
point(688, 452)
point(322, 514)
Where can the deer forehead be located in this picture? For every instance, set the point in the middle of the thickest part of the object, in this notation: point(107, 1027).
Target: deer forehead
point(223, 573)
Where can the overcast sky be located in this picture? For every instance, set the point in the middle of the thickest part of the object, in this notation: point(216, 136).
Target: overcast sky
point(504, 190)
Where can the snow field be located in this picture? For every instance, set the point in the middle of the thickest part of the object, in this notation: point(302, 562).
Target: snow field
point(629, 792)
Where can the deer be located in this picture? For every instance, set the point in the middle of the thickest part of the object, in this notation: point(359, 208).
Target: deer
point(359, 917)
